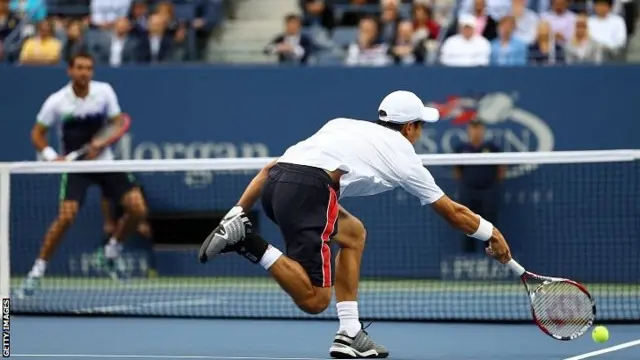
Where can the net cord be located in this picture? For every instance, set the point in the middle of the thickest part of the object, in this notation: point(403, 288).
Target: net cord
point(5, 201)
point(239, 164)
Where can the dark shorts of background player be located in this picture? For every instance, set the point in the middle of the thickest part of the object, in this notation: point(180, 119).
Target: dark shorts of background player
point(303, 202)
point(114, 186)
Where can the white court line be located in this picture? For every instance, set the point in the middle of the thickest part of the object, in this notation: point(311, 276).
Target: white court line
point(174, 357)
point(605, 350)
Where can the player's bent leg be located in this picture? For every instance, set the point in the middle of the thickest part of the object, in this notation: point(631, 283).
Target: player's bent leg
point(67, 212)
point(295, 281)
point(351, 341)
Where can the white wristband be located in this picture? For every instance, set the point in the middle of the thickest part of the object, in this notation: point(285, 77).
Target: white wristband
point(485, 230)
point(49, 154)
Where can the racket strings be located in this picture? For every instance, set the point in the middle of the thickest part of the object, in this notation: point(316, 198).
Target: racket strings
point(562, 308)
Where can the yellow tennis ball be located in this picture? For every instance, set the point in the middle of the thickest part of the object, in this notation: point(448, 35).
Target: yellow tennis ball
point(600, 334)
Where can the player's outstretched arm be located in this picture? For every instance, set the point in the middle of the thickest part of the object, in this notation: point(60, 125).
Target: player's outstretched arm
point(472, 224)
point(254, 189)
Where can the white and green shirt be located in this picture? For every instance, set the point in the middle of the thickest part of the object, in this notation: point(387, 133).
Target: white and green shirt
point(77, 119)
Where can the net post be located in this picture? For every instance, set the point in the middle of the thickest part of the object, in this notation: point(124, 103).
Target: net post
point(5, 203)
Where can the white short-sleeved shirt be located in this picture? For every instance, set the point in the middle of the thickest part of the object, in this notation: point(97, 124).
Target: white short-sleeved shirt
point(77, 119)
point(376, 159)
point(107, 11)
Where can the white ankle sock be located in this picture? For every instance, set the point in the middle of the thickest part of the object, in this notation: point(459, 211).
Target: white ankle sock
point(270, 257)
point(348, 315)
point(112, 249)
point(38, 269)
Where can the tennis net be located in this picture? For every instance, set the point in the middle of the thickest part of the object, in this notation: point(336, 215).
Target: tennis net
point(568, 214)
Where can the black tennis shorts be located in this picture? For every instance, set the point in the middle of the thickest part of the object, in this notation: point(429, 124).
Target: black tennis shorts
point(303, 202)
point(73, 186)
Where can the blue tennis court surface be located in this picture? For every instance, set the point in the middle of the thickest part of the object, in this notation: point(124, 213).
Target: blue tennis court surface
point(174, 339)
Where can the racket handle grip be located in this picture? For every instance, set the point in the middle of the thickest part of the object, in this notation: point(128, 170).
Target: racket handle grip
point(517, 268)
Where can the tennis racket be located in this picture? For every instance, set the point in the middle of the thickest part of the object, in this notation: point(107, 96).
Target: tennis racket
point(108, 135)
point(562, 308)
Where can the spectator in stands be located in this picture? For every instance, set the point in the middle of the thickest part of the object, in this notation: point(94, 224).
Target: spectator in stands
point(561, 20)
point(485, 25)
point(479, 184)
point(526, 22)
point(367, 50)
point(424, 25)
point(466, 48)
point(389, 19)
point(506, 50)
point(582, 48)
point(545, 51)
point(407, 49)
point(608, 29)
point(175, 29)
point(292, 46)
point(8, 20)
point(105, 13)
point(157, 46)
point(495, 9)
point(138, 18)
point(42, 49)
point(357, 12)
point(318, 13)
point(203, 24)
point(75, 41)
point(115, 47)
point(31, 10)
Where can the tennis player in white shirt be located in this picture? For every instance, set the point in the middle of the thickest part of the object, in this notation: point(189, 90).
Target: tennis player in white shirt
point(300, 190)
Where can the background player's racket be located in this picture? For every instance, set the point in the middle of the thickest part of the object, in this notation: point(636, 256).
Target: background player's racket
point(109, 134)
point(562, 308)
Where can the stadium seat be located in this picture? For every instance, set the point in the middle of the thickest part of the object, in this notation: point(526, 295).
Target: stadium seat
point(344, 35)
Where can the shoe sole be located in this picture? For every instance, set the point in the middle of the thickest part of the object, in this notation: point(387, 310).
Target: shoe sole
point(202, 254)
point(347, 352)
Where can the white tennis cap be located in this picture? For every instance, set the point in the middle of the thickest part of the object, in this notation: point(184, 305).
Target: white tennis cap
point(402, 107)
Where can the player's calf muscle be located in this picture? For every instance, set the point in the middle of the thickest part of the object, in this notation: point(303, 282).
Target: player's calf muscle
point(295, 281)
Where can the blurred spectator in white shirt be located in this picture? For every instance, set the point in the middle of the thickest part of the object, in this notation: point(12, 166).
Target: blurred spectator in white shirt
point(561, 19)
point(608, 29)
point(582, 49)
point(526, 22)
point(367, 50)
point(104, 13)
point(466, 48)
point(389, 19)
point(407, 49)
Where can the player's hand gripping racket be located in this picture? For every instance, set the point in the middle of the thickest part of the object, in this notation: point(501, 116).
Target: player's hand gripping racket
point(106, 136)
point(562, 308)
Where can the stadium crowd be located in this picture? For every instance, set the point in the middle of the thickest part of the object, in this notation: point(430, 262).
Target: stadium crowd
point(469, 33)
point(115, 32)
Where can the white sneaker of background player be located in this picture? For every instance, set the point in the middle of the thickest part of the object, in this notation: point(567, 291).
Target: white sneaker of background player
point(112, 251)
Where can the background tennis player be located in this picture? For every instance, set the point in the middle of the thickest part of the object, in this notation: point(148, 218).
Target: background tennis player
point(300, 192)
point(81, 110)
point(115, 216)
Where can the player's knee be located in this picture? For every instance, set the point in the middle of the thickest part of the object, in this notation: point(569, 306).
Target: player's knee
point(315, 304)
point(137, 210)
point(67, 215)
point(355, 237)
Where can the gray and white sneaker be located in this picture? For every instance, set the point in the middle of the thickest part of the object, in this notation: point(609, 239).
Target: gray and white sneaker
point(359, 347)
point(226, 236)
